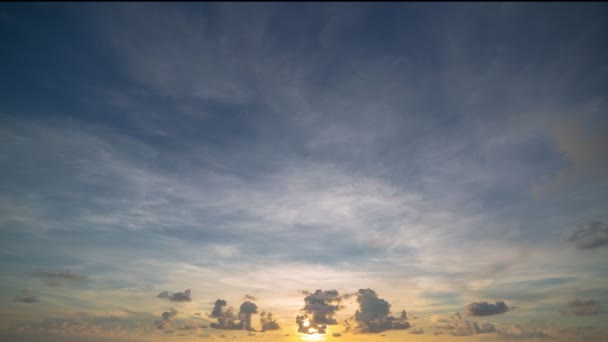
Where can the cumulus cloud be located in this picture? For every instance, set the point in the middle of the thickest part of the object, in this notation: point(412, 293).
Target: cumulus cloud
point(167, 319)
point(56, 278)
point(374, 316)
point(590, 235)
point(486, 309)
point(319, 310)
point(26, 297)
point(246, 310)
point(177, 296)
point(268, 322)
point(227, 319)
point(579, 307)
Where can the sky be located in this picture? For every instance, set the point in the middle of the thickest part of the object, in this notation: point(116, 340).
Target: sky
point(373, 171)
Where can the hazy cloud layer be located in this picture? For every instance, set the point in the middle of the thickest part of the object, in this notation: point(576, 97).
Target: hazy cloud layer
point(456, 325)
point(580, 307)
point(177, 296)
point(25, 296)
point(590, 235)
point(518, 332)
point(59, 275)
point(486, 309)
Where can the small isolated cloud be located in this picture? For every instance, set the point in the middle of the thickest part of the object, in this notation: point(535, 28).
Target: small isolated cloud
point(249, 297)
point(486, 309)
point(374, 316)
point(418, 331)
point(26, 297)
point(590, 235)
point(518, 332)
point(167, 319)
point(177, 296)
point(319, 310)
point(579, 307)
point(57, 278)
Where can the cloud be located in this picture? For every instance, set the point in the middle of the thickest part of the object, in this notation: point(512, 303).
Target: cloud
point(268, 322)
point(225, 316)
point(26, 297)
point(484, 329)
point(579, 307)
point(585, 148)
point(226, 319)
point(249, 297)
point(177, 296)
point(167, 319)
point(584, 333)
point(418, 331)
point(518, 332)
point(486, 309)
point(593, 234)
point(457, 326)
point(319, 310)
point(374, 316)
point(55, 278)
point(246, 310)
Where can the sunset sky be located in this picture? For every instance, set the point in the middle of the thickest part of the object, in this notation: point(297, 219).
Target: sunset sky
point(446, 159)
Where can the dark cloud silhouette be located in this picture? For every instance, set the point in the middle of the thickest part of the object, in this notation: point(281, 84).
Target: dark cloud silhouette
point(267, 322)
point(374, 316)
point(167, 319)
point(419, 331)
point(336, 334)
point(57, 278)
point(486, 309)
point(593, 234)
point(177, 296)
point(319, 310)
point(26, 297)
point(227, 319)
point(249, 297)
point(246, 310)
point(579, 307)
point(518, 332)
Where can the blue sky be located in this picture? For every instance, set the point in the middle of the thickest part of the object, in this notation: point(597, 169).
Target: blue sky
point(440, 154)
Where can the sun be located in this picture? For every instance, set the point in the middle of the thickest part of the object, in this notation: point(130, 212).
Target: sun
point(313, 337)
point(312, 334)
